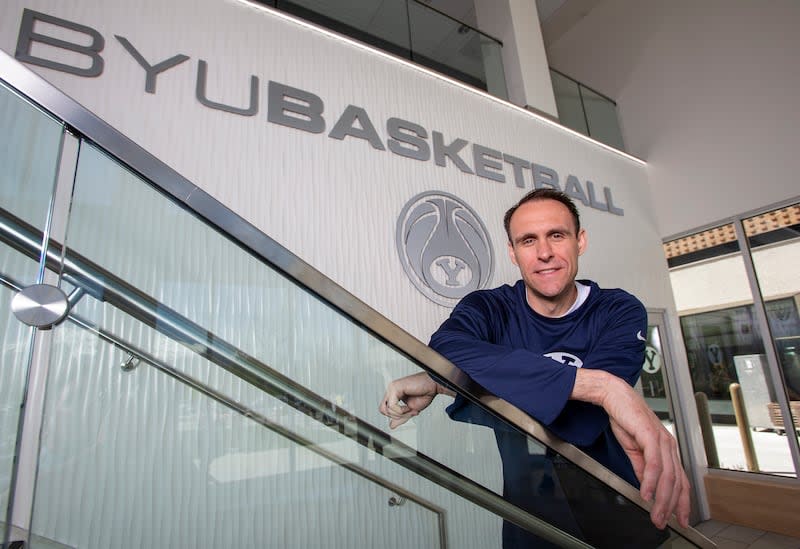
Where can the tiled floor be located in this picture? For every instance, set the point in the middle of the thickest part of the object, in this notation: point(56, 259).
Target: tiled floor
point(732, 536)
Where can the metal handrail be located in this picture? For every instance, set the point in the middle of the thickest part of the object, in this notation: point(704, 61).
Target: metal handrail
point(582, 85)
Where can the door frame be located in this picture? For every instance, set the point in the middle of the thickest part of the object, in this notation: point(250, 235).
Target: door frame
point(658, 318)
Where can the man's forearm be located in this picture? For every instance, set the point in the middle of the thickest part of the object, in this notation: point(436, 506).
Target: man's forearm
point(593, 386)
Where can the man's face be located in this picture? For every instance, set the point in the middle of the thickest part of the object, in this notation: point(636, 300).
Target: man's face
point(545, 248)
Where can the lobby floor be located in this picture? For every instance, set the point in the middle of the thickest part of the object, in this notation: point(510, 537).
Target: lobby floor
point(732, 536)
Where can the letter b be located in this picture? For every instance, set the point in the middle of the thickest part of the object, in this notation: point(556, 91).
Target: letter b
point(27, 36)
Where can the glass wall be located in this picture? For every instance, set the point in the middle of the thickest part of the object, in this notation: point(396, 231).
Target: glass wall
point(414, 31)
point(743, 367)
point(775, 239)
point(586, 111)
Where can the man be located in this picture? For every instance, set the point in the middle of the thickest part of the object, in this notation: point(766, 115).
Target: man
point(566, 352)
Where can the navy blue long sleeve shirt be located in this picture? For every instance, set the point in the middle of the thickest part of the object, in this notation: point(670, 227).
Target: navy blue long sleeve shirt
point(530, 360)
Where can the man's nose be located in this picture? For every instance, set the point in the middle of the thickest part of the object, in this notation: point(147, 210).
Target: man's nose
point(544, 250)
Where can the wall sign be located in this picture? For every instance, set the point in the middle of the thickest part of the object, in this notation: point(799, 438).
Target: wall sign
point(305, 111)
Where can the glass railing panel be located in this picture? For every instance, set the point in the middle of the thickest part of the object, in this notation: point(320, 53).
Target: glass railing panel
point(451, 47)
point(569, 103)
point(492, 51)
point(586, 111)
point(29, 146)
point(601, 115)
point(381, 24)
point(154, 462)
point(414, 31)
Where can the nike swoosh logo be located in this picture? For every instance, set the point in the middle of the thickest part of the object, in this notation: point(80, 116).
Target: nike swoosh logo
point(640, 337)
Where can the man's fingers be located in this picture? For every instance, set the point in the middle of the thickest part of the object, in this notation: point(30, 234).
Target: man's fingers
point(390, 405)
point(397, 407)
point(651, 472)
point(681, 498)
point(679, 476)
point(393, 408)
point(668, 482)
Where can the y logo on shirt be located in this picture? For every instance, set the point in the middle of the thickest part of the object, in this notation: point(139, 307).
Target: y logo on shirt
point(565, 358)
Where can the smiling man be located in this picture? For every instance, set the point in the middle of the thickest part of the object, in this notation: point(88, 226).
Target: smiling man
point(565, 351)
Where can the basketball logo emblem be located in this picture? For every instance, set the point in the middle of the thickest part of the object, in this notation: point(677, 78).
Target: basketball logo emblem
point(444, 247)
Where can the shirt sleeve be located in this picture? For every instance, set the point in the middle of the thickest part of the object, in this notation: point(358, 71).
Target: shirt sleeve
point(536, 384)
point(618, 348)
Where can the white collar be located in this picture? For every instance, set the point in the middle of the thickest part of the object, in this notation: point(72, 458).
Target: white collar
point(583, 293)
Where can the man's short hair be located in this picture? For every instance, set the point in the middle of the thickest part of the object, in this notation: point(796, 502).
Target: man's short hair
point(544, 194)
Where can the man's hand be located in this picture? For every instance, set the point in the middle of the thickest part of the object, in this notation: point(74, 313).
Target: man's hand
point(652, 450)
point(408, 396)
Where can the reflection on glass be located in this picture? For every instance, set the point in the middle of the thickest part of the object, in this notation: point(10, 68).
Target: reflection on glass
point(774, 238)
point(725, 348)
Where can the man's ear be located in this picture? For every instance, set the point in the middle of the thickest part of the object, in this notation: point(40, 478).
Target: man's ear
point(511, 254)
point(583, 241)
